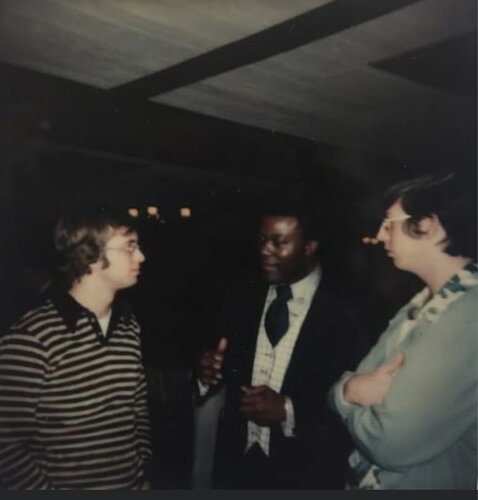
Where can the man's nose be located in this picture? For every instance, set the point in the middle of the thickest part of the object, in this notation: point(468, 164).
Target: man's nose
point(381, 234)
point(140, 256)
point(265, 248)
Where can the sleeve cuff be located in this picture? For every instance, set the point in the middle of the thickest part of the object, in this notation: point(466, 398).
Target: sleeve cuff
point(343, 408)
point(203, 388)
point(288, 425)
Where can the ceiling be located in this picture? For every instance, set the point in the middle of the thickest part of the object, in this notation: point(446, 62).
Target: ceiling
point(242, 89)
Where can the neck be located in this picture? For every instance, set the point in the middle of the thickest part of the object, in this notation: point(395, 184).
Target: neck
point(440, 269)
point(308, 269)
point(95, 298)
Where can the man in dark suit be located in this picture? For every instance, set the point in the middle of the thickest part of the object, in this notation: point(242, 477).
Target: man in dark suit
point(282, 343)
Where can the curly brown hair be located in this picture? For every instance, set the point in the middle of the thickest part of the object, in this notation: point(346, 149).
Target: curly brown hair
point(80, 237)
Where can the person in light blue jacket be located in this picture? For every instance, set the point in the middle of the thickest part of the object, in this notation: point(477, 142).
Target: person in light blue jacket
point(411, 404)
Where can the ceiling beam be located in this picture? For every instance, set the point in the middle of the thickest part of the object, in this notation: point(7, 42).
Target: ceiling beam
point(313, 25)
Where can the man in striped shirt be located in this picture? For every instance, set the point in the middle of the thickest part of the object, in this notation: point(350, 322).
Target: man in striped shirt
point(73, 406)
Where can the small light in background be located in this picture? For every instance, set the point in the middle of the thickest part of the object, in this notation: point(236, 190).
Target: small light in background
point(133, 212)
point(369, 240)
point(185, 212)
point(153, 211)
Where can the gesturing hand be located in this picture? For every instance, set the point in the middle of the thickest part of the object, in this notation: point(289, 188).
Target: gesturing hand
point(262, 405)
point(370, 388)
point(210, 364)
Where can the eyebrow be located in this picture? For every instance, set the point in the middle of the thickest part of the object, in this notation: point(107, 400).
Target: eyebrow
point(272, 236)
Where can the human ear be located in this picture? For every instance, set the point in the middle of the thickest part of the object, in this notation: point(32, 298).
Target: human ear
point(311, 247)
point(95, 266)
point(101, 263)
point(431, 228)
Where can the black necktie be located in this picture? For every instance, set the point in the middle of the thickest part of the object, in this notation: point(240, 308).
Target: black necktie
point(277, 316)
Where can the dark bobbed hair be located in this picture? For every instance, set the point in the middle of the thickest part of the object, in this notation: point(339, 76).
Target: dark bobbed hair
point(80, 237)
point(448, 197)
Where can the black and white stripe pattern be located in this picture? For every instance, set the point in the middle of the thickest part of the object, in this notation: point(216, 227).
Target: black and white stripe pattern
point(73, 410)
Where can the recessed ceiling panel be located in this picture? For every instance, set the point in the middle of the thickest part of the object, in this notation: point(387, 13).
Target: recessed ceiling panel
point(328, 91)
point(448, 65)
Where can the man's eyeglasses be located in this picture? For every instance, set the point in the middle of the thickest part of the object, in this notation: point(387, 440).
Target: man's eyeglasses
point(129, 249)
point(387, 221)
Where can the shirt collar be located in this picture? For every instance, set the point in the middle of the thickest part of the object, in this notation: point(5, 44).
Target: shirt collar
point(451, 291)
point(71, 310)
point(307, 286)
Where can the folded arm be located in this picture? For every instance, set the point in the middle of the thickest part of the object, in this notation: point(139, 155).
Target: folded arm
point(430, 402)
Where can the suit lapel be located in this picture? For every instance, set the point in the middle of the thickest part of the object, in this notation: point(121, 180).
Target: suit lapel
point(248, 327)
point(309, 337)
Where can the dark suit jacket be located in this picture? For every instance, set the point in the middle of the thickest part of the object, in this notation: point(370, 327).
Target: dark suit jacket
point(327, 345)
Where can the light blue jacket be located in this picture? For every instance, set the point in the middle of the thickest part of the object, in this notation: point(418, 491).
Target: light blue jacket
point(424, 434)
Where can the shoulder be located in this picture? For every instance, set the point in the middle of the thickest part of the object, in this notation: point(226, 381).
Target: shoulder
point(30, 335)
point(352, 320)
point(129, 322)
point(462, 312)
point(333, 313)
point(335, 302)
point(470, 298)
point(124, 315)
point(38, 321)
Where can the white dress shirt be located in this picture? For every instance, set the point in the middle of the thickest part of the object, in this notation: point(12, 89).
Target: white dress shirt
point(270, 363)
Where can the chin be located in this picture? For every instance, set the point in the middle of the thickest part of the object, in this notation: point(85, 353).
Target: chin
point(396, 262)
point(400, 265)
point(272, 278)
point(130, 283)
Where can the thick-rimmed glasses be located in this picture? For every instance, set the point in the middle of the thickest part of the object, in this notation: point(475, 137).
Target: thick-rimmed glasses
point(129, 249)
point(386, 224)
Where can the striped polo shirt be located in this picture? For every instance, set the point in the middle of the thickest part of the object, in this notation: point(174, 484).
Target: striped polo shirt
point(73, 405)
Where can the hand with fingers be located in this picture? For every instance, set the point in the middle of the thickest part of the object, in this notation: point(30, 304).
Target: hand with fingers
point(370, 388)
point(262, 405)
point(210, 364)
